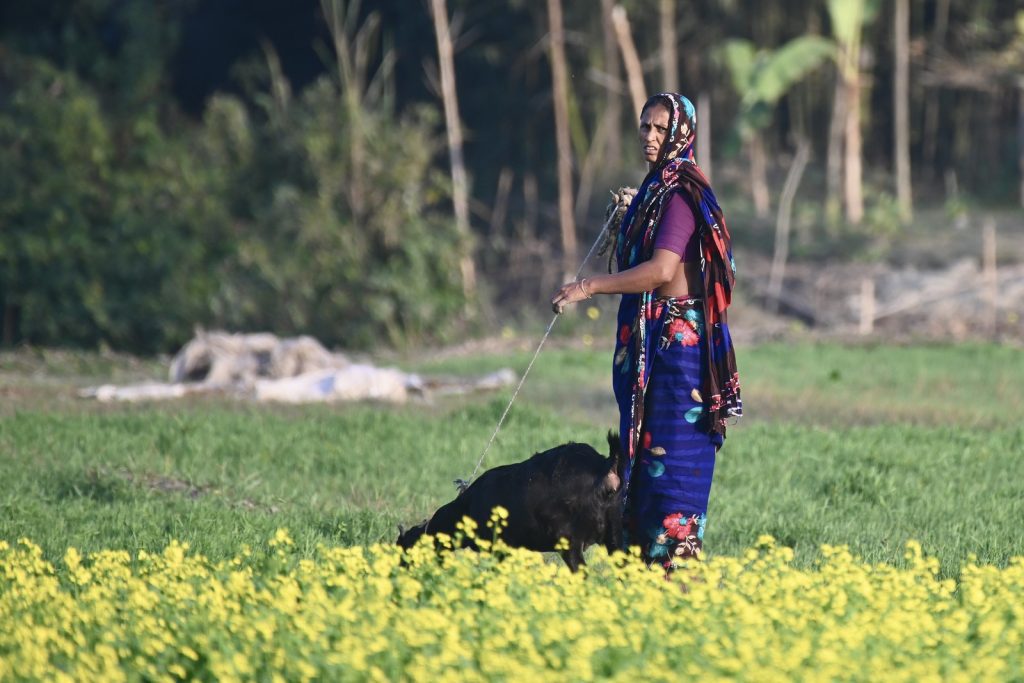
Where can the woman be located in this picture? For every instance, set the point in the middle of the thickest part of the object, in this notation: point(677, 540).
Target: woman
point(674, 371)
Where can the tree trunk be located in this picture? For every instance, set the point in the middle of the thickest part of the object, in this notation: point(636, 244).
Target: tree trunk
point(784, 220)
point(613, 101)
point(834, 161)
point(560, 83)
point(500, 210)
point(852, 144)
point(591, 164)
point(460, 185)
point(669, 60)
point(704, 132)
point(901, 96)
point(634, 72)
point(759, 176)
point(852, 176)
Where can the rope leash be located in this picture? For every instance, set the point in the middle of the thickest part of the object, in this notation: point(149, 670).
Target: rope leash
point(463, 484)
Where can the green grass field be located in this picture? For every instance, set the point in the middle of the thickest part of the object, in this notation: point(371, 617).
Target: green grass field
point(865, 446)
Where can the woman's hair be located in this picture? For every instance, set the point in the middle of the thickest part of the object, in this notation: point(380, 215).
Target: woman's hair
point(661, 99)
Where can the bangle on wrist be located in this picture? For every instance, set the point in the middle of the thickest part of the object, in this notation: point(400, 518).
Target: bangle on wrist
point(583, 288)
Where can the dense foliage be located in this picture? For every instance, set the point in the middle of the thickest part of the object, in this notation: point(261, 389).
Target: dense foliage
point(314, 253)
point(130, 236)
point(165, 165)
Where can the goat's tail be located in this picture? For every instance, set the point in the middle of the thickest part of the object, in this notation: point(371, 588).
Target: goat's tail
point(614, 446)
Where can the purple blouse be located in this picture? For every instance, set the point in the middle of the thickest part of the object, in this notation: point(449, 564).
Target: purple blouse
point(677, 232)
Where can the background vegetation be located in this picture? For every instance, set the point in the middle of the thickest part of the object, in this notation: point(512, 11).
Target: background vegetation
point(282, 166)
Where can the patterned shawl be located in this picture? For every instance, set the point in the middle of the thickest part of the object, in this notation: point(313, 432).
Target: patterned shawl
point(677, 171)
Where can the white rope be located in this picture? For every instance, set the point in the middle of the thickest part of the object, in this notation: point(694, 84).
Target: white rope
point(463, 484)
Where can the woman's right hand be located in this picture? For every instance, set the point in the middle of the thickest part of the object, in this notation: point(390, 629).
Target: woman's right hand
point(569, 293)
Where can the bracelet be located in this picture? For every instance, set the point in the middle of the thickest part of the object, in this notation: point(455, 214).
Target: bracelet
point(583, 288)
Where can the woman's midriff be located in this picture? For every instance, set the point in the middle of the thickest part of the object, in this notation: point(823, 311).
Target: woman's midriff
point(686, 281)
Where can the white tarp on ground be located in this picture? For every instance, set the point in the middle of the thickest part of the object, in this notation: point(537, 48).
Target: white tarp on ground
point(353, 383)
point(296, 370)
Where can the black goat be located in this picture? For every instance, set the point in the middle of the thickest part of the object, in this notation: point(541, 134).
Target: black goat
point(570, 491)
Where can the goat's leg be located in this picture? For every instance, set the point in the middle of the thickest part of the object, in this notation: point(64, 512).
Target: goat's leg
point(573, 557)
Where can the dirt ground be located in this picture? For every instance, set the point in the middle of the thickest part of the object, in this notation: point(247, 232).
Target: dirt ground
point(927, 284)
point(929, 279)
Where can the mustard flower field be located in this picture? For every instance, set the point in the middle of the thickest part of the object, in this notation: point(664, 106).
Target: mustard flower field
point(355, 614)
point(855, 533)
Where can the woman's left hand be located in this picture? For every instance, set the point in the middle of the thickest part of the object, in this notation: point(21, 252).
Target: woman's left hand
point(569, 293)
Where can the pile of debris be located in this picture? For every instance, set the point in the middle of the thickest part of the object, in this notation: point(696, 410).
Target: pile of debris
point(264, 367)
point(958, 302)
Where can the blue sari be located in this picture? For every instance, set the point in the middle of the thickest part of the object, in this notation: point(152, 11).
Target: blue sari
point(668, 480)
point(674, 372)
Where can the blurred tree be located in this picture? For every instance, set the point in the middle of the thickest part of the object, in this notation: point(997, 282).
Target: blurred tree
point(453, 126)
point(126, 219)
point(94, 251)
point(314, 256)
point(901, 100)
point(630, 57)
point(560, 81)
point(168, 234)
point(121, 48)
point(761, 78)
point(612, 73)
point(54, 204)
point(667, 50)
point(848, 20)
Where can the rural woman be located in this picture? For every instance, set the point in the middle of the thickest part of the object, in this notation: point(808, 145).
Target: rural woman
point(674, 371)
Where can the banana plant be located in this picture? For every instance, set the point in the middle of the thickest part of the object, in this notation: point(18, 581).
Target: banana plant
point(761, 78)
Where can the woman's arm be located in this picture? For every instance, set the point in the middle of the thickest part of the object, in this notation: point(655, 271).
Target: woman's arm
point(643, 277)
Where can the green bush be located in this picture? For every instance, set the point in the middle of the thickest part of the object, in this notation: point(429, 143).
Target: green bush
point(55, 168)
point(341, 230)
point(110, 236)
point(296, 219)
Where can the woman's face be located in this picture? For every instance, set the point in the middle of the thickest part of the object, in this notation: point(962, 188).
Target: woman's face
point(653, 130)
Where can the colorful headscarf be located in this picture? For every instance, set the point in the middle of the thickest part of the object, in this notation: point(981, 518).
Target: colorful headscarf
point(677, 171)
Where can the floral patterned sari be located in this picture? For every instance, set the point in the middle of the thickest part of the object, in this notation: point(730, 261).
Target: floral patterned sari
point(674, 372)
